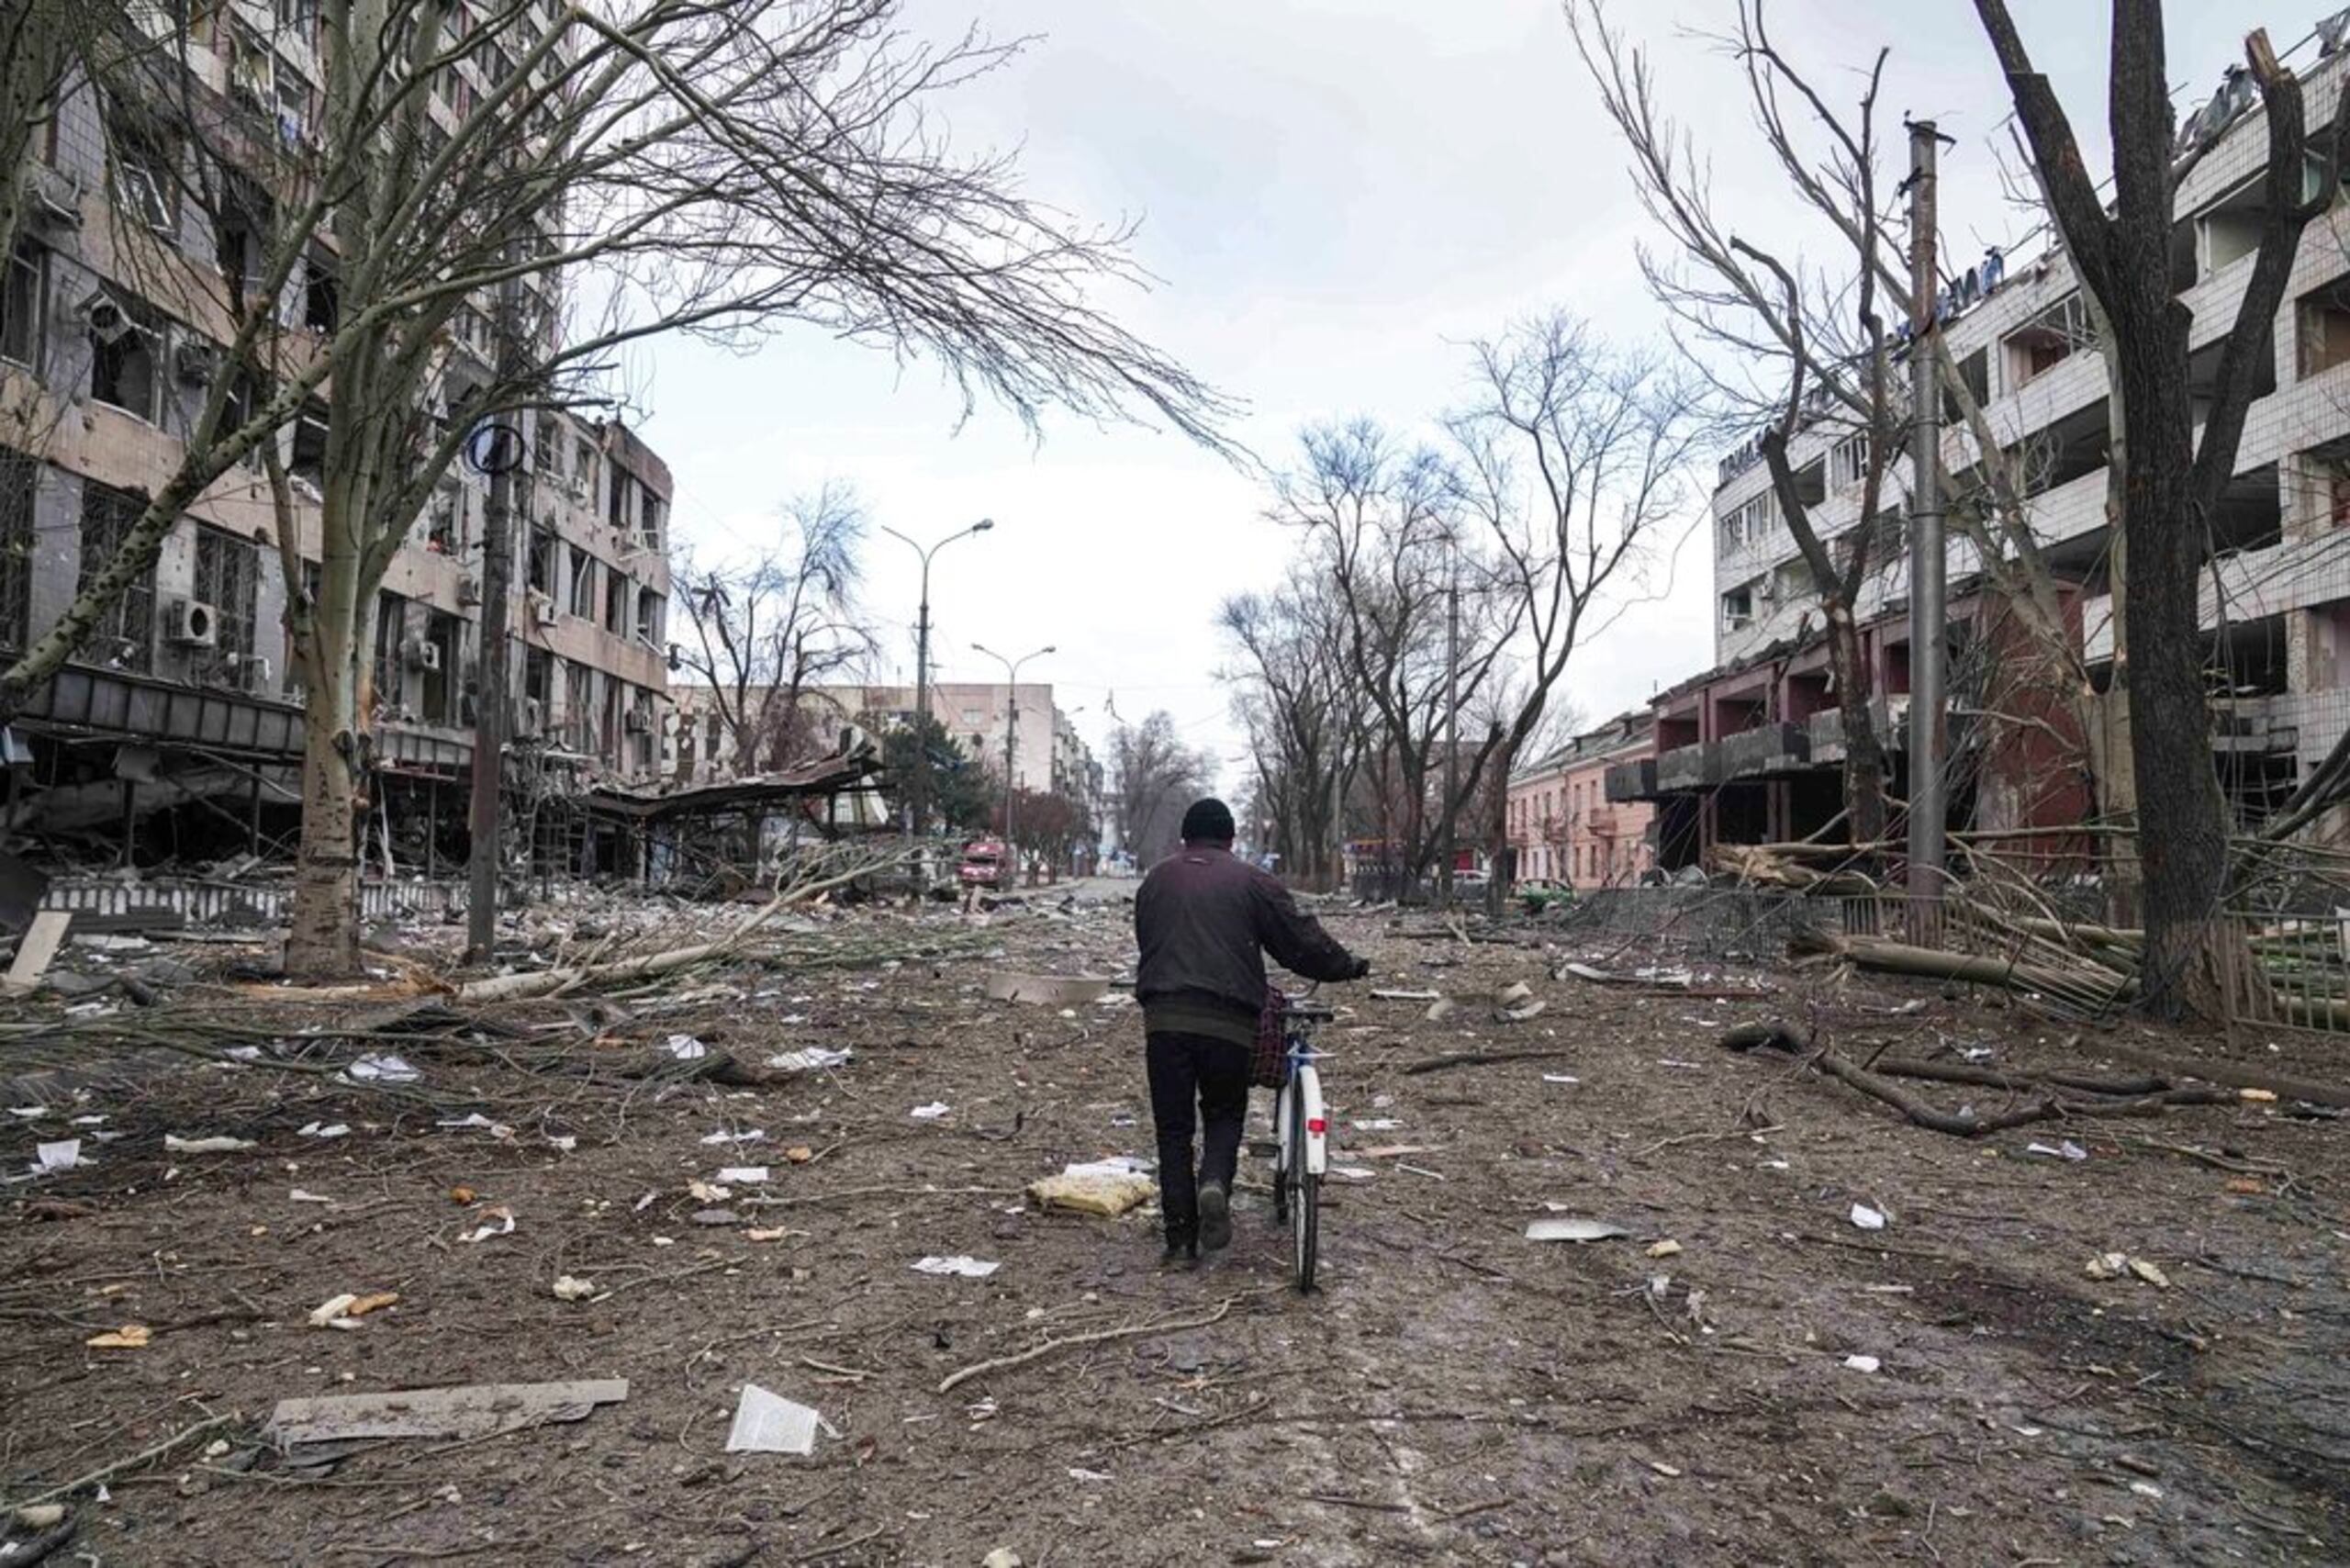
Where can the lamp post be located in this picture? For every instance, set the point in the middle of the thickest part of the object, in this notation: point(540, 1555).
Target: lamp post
point(1011, 726)
point(922, 669)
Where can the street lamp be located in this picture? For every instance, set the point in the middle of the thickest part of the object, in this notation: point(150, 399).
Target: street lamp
point(1011, 725)
point(922, 667)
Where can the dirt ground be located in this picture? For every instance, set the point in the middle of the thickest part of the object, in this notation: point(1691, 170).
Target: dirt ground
point(1457, 1394)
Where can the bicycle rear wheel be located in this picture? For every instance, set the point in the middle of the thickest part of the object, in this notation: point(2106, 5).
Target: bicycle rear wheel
point(1305, 1202)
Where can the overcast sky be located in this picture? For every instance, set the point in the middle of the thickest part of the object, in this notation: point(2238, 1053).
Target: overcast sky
point(1336, 195)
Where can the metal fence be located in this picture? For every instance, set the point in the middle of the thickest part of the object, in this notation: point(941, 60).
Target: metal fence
point(1706, 922)
point(2286, 971)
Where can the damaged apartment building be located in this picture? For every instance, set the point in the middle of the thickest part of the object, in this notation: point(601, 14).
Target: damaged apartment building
point(1752, 749)
point(175, 734)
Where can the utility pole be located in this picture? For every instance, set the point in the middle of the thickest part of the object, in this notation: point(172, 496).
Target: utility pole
point(920, 803)
point(1926, 555)
point(498, 450)
point(1451, 713)
point(1011, 728)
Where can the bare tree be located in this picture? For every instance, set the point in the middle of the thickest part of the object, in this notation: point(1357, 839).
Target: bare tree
point(1305, 718)
point(1154, 777)
point(1796, 342)
point(2171, 483)
point(478, 211)
point(1572, 457)
point(766, 630)
point(1386, 531)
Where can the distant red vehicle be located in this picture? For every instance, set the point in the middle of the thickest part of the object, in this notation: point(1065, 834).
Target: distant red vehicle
point(986, 864)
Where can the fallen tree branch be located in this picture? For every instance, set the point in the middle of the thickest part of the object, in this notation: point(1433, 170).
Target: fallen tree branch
point(108, 1472)
point(1164, 1325)
point(2234, 1076)
point(1479, 1059)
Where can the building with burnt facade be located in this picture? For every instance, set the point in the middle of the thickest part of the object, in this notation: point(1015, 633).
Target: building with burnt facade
point(181, 701)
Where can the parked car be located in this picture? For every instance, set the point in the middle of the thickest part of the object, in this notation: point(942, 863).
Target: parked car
point(986, 863)
point(1470, 881)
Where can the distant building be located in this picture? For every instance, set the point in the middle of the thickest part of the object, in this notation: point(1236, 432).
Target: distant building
point(1562, 825)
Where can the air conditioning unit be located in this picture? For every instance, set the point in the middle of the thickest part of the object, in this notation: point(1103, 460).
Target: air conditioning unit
point(418, 653)
point(57, 198)
point(196, 363)
point(677, 656)
point(529, 718)
point(636, 722)
point(108, 320)
point(193, 624)
point(252, 673)
point(542, 611)
point(469, 589)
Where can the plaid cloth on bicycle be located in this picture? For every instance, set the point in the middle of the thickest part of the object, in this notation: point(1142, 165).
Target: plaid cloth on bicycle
point(1268, 1059)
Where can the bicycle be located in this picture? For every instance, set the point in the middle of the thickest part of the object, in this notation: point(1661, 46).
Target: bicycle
point(1301, 1137)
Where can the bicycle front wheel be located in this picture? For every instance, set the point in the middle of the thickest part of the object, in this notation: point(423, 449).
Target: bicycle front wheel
point(1284, 1117)
point(1304, 1193)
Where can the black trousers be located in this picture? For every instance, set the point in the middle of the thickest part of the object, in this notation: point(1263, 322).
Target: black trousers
point(1183, 1067)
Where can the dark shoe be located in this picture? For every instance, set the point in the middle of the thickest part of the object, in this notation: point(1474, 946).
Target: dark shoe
point(1215, 1217)
point(1180, 1255)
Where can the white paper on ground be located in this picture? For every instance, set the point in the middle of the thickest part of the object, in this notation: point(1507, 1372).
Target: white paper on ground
point(381, 1069)
point(739, 1174)
point(969, 1268)
point(1573, 1229)
point(50, 1157)
point(932, 1111)
point(815, 1058)
point(1867, 1218)
point(768, 1423)
point(685, 1048)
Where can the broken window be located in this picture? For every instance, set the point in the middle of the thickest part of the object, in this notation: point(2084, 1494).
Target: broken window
point(2048, 340)
point(19, 488)
point(240, 234)
point(1847, 462)
point(124, 634)
point(616, 597)
point(445, 521)
point(648, 617)
point(2324, 327)
point(578, 714)
point(391, 627)
point(1738, 608)
point(538, 679)
point(144, 168)
point(583, 468)
point(24, 294)
point(228, 578)
point(622, 500)
point(126, 356)
point(545, 453)
point(308, 463)
point(322, 292)
point(653, 518)
point(443, 683)
point(583, 584)
point(538, 572)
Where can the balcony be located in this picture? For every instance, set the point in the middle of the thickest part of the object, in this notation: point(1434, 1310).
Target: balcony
point(1826, 729)
point(1765, 751)
point(1696, 767)
point(1632, 780)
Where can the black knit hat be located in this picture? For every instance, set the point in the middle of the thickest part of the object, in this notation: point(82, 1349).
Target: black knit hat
point(1209, 822)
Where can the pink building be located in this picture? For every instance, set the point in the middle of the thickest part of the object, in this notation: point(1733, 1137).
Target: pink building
point(1563, 828)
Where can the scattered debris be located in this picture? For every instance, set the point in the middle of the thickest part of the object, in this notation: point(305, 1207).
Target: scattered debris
point(468, 1410)
point(1089, 1477)
point(48, 1159)
point(2068, 1149)
point(1108, 1188)
point(722, 1137)
point(2115, 1265)
point(1862, 1363)
point(344, 1311)
point(220, 1144)
point(967, 1267)
point(129, 1337)
point(1664, 1249)
point(685, 1048)
point(744, 1175)
point(324, 1130)
point(42, 1516)
point(1572, 1229)
point(1001, 1557)
point(703, 1192)
point(1406, 996)
point(385, 1069)
point(814, 1058)
point(497, 1221)
point(1867, 1218)
point(1046, 990)
point(932, 1111)
point(498, 1130)
point(301, 1195)
point(570, 1287)
point(768, 1423)
point(1441, 1009)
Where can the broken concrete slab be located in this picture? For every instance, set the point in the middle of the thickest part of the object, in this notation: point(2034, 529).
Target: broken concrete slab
point(467, 1410)
point(37, 951)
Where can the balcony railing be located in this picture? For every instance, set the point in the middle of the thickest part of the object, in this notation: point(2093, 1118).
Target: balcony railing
point(1765, 750)
point(1696, 767)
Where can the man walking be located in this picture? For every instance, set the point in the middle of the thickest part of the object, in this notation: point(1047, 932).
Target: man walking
point(1204, 920)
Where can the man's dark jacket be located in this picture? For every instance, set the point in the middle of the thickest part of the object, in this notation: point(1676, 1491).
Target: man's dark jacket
point(1203, 920)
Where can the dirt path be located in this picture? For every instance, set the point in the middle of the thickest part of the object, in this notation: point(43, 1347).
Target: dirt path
point(1457, 1394)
